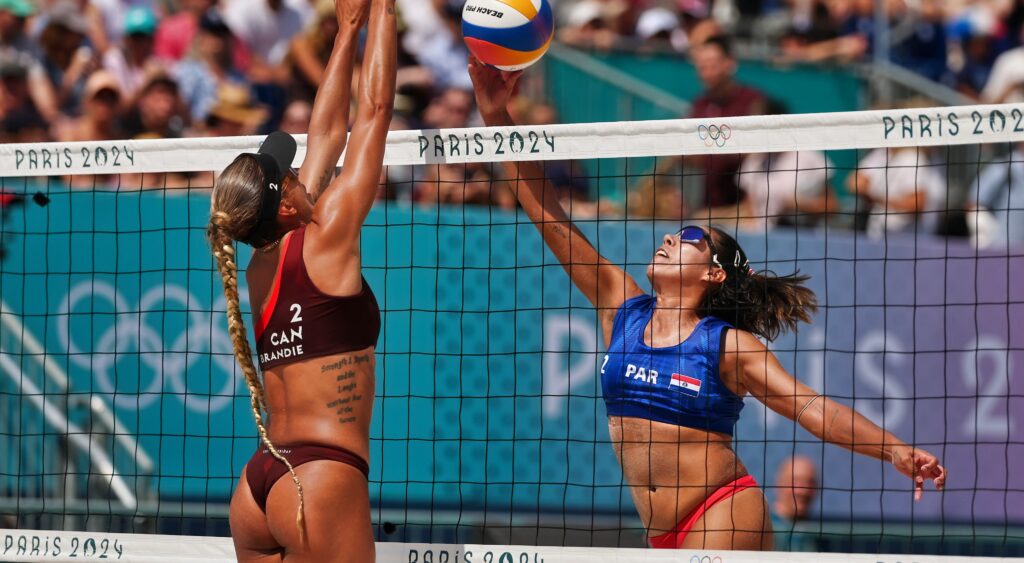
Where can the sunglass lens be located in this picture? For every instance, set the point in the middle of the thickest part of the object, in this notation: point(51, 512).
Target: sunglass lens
point(691, 234)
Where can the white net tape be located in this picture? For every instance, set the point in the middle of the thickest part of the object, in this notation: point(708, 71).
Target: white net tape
point(28, 545)
point(822, 131)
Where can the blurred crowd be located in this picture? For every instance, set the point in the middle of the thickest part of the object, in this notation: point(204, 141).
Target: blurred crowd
point(78, 70)
point(970, 45)
point(104, 69)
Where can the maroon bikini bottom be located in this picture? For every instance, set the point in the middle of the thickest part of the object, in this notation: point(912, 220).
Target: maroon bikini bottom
point(263, 469)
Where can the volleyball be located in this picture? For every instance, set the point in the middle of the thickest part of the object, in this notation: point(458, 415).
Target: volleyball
point(508, 34)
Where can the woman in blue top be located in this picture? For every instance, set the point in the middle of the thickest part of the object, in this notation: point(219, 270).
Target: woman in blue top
point(680, 362)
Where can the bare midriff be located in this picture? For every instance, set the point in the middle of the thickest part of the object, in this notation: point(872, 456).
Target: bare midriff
point(671, 469)
point(326, 400)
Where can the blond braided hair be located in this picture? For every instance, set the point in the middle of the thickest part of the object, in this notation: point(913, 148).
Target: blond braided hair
point(219, 233)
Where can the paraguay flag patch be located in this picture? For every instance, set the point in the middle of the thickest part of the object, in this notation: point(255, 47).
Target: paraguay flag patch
point(686, 384)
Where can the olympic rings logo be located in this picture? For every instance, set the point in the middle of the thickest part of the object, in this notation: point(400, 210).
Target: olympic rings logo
point(705, 559)
point(132, 333)
point(714, 135)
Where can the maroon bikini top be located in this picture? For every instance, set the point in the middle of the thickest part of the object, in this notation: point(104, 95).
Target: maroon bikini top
point(302, 322)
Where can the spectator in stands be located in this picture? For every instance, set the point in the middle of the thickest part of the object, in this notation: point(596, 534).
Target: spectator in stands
point(586, 25)
point(657, 198)
point(796, 486)
point(974, 51)
point(267, 27)
point(296, 117)
point(158, 111)
point(723, 96)
point(20, 51)
point(67, 59)
point(903, 190)
point(810, 21)
point(100, 119)
point(996, 203)
point(234, 114)
point(787, 188)
point(310, 52)
point(208, 67)
point(13, 34)
point(923, 49)
point(441, 49)
point(20, 118)
point(455, 184)
point(176, 34)
point(130, 62)
point(847, 39)
point(659, 28)
point(451, 109)
point(108, 19)
point(1006, 81)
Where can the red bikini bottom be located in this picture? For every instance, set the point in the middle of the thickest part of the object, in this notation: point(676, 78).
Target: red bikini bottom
point(674, 538)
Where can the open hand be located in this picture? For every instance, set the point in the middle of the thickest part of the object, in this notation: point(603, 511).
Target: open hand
point(494, 88)
point(920, 466)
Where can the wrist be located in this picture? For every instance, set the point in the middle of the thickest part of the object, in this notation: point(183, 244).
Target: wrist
point(348, 32)
point(497, 117)
point(896, 452)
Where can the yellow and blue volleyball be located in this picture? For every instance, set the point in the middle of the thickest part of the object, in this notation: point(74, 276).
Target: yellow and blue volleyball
point(508, 34)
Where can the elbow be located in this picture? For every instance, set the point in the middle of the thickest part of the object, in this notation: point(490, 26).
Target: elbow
point(377, 110)
point(383, 108)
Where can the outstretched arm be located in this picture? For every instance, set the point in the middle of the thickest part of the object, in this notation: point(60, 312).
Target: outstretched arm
point(341, 210)
point(759, 372)
point(328, 124)
point(606, 285)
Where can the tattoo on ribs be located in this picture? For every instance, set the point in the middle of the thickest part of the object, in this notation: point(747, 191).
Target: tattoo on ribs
point(344, 362)
point(344, 405)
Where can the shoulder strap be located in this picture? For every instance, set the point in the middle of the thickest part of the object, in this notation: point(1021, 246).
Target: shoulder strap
point(275, 289)
point(713, 328)
point(627, 312)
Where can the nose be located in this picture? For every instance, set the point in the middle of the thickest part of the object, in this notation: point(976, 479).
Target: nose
point(669, 239)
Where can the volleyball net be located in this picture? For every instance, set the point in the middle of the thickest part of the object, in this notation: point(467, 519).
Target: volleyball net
point(122, 408)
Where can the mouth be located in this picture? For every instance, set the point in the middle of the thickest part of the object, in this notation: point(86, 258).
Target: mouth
point(661, 252)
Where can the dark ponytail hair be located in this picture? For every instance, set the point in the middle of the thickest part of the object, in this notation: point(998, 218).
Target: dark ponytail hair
point(761, 303)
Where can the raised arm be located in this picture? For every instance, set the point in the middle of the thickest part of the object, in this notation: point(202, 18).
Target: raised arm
point(341, 210)
point(606, 285)
point(328, 124)
point(758, 371)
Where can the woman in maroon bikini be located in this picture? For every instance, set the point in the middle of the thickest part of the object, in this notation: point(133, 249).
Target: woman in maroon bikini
point(316, 320)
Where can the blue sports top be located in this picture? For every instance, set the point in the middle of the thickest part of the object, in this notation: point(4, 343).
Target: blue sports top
point(676, 385)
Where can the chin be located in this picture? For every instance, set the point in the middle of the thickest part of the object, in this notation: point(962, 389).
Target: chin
point(664, 272)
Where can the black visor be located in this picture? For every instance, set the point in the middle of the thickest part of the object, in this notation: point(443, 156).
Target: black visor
point(275, 159)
